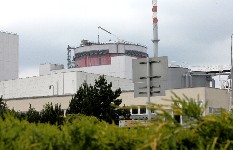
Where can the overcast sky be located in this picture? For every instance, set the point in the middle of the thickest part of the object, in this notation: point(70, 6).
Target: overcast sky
point(191, 32)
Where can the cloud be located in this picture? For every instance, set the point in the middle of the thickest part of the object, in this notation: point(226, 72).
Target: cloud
point(192, 31)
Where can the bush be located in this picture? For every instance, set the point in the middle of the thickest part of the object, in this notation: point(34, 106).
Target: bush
point(78, 133)
point(82, 132)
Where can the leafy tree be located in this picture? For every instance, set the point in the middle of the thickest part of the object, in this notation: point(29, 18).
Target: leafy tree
point(52, 114)
point(98, 100)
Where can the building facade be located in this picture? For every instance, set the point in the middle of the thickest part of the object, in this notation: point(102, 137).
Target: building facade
point(214, 98)
point(96, 54)
point(9, 56)
point(62, 83)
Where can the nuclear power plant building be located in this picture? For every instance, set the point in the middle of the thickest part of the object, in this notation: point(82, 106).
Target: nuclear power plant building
point(9, 47)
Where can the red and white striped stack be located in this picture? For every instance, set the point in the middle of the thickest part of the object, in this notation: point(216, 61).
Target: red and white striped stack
point(155, 39)
point(154, 10)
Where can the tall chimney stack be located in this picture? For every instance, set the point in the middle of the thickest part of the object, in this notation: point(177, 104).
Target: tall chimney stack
point(155, 28)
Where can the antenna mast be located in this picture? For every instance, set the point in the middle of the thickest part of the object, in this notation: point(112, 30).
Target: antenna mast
point(106, 32)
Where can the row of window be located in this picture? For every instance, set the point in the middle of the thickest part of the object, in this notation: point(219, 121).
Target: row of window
point(137, 110)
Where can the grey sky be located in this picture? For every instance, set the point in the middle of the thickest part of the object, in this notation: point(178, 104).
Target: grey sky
point(196, 32)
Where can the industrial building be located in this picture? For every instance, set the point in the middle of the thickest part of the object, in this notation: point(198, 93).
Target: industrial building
point(55, 84)
point(95, 54)
point(112, 59)
point(9, 56)
point(215, 99)
point(92, 59)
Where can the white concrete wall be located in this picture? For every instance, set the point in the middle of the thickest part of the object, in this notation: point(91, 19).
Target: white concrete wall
point(38, 102)
point(60, 83)
point(33, 86)
point(9, 45)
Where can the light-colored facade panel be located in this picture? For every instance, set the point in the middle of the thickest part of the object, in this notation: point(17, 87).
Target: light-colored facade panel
point(220, 99)
point(55, 84)
point(9, 45)
point(215, 98)
point(38, 102)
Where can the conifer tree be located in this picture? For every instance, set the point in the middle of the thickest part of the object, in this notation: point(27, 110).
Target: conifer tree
point(52, 114)
point(32, 115)
point(98, 100)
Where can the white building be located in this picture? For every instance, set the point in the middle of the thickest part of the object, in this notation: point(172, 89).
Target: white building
point(9, 45)
point(62, 83)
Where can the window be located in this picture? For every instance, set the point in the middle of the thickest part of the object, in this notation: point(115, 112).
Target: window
point(177, 118)
point(142, 109)
point(215, 110)
point(210, 110)
point(134, 111)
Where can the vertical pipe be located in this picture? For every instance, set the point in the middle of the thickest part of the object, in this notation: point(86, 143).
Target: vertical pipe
point(186, 80)
point(231, 77)
point(53, 90)
point(98, 35)
point(64, 113)
point(213, 83)
point(57, 87)
point(155, 28)
point(148, 88)
point(63, 85)
point(190, 81)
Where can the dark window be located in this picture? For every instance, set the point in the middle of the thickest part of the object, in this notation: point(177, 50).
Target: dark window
point(134, 111)
point(142, 110)
point(177, 118)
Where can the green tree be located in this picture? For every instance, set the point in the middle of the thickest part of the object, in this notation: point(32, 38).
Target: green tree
point(52, 114)
point(32, 115)
point(99, 101)
point(3, 107)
